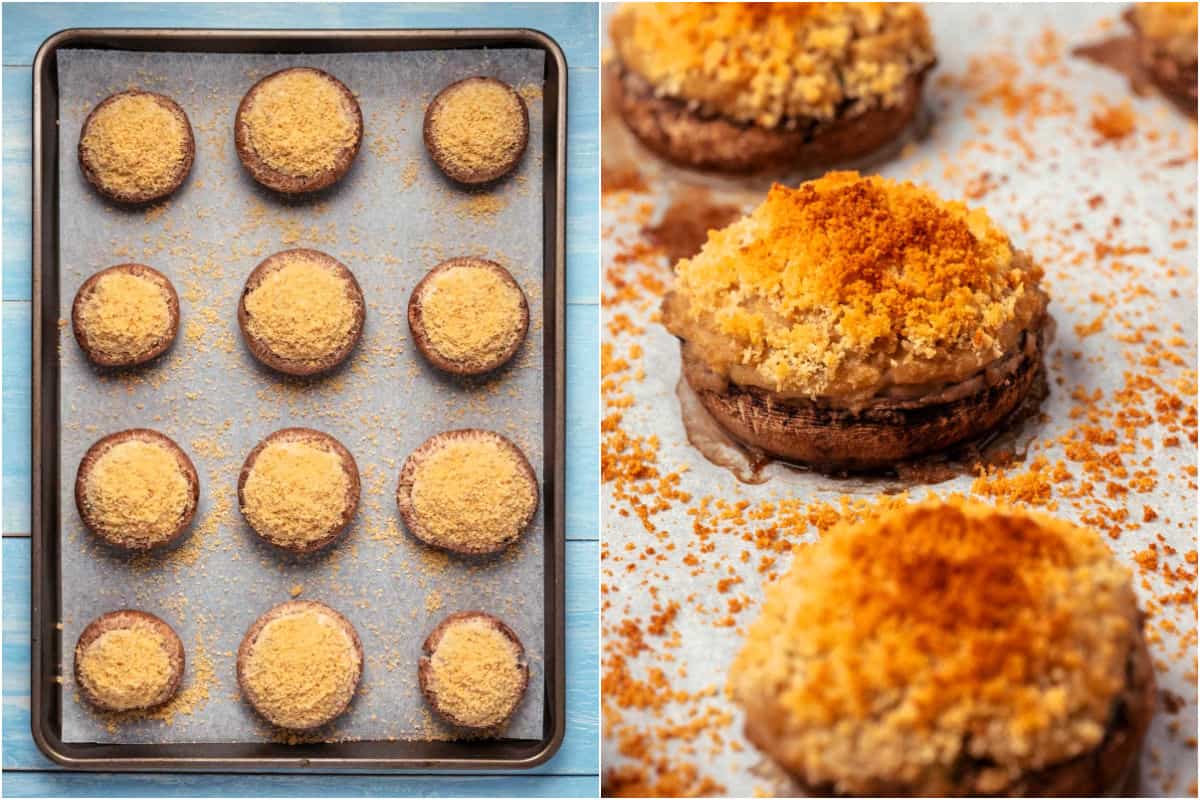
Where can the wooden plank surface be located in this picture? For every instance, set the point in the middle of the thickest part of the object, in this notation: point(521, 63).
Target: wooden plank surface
point(574, 770)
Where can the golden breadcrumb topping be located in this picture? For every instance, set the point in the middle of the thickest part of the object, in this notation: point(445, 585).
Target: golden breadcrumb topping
point(1172, 25)
point(137, 492)
point(472, 492)
point(472, 315)
point(296, 492)
point(125, 315)
point(848, 285)
point(767, 62)
point(475, 673)
point(477, 126)
point(135, 145)
point(939, 632)
point(127, 668)
point(302, 668)
point(303, 309)
point(300, 122)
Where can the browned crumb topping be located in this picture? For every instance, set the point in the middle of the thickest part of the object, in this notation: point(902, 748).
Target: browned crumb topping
point(135, 145)
point(475, 673)
point(848, 285)
point(128, 667)
point(1171, 25)
point(125, 315)
point(301, 668)
point(1114, 122)
point(477, 125)
point(300, 123)
point(137, 492)
point(471, 314)
point(302, 309)
point(297, 492)
point(472, 493)
point(768, 62)
point(994, 635)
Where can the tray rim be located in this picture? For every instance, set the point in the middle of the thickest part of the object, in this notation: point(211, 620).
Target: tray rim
point(44, 586)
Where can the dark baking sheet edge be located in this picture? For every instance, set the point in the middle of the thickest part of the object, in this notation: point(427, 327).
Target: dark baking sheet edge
point(45, 645)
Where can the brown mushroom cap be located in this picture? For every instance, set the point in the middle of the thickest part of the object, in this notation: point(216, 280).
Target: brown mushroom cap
point(670, 129)
point(265, 352)
point(282, 181)
point(485, 160)
point(876, 437)
point(129, 619)
point(522, 498)
point(350, 504)
point(117, 538)
point(93, 170)
point(425, 669)
point(346, 688)
point(93, 349)
point(515, 331)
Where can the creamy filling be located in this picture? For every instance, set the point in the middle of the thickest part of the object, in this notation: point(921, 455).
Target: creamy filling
point(890, 394)
point(638, 86)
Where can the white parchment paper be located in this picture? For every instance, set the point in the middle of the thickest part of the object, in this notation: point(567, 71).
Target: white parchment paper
point(391, 219)
point(1039, 204)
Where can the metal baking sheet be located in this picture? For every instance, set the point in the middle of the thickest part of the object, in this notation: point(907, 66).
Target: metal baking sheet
point(390, 220)
point(1037, 174)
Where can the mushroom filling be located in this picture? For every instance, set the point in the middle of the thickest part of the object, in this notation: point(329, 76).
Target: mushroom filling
point(892, 396)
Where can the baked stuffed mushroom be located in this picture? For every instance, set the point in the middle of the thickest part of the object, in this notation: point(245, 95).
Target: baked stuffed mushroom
point(855, 322)
point(950, 649)
point(747, 88)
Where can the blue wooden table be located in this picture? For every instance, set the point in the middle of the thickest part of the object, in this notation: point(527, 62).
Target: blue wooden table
point(574, 770)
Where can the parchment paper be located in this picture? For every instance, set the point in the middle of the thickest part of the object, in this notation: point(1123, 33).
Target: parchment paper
point(391, 219)
point(1032, 204)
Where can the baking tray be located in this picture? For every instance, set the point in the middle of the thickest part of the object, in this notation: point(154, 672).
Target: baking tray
point(47, 698)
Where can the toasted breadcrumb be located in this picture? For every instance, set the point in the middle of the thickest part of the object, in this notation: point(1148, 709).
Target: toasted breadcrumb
point(477, 125)
point(128, 667)
point(471, 492)
point(302, 309)
point(471, 314)
point(475, 673)
point(299, 122)
point(302, 667)
point(136, 491)
point(768, 62)
point(135, 144)
point(125, 315)
point(849, 284)
point(297, 491)
point(981, 633)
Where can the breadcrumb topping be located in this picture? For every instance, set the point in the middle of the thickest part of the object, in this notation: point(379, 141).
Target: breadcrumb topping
point(302, 309)
point(896, 648)
point(125, 315)
point(477, 126)
point(296, 492)
point(299, 122)
point(475, 673)
point(302, 668)
point(136, 492)
point(135, 145)
point(768, 62)
point(848, 285)
point(471, 492)
point(471, 314)
point(127, 668)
